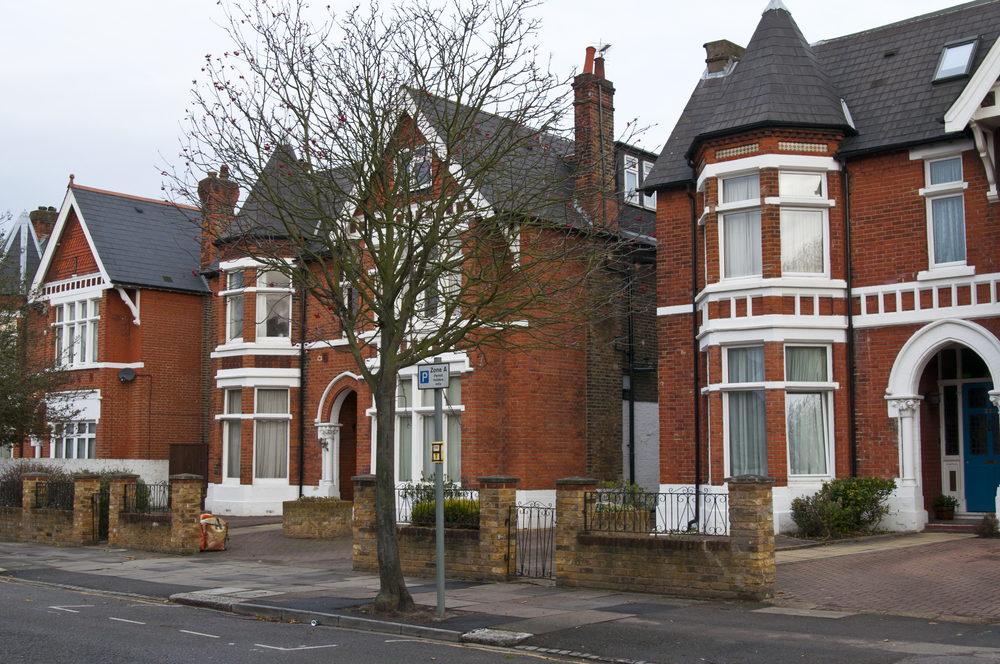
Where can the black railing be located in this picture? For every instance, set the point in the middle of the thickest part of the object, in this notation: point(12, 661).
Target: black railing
point(416, 504)
point(54, 495)
point(11, 493)
point(531, 531)
point(147, 498)
point(631, 511)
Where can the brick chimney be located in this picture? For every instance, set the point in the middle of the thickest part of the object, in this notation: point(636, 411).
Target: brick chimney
point(44, 220)
point(720, 53)
point(218, 196)
point(594, 121)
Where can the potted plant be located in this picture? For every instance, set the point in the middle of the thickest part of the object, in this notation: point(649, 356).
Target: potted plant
point(944, 507)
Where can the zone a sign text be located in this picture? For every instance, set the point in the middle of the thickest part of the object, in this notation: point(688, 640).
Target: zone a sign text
point(432, 376)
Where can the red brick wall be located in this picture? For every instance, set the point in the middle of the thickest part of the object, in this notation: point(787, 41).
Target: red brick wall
point(72, 252)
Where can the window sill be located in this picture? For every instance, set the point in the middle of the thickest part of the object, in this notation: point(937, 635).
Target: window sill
point(736, 206)
point(800, 202)
point(943, 189)
point(947, 272)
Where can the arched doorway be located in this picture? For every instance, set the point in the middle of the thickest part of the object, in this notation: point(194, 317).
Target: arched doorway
point(942, 390)
point(337, 430)
point(348, 420)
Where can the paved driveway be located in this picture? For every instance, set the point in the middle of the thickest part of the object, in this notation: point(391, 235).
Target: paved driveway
point(924, 575)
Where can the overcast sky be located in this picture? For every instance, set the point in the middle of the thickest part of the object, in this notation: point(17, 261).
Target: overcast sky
point(97, 88)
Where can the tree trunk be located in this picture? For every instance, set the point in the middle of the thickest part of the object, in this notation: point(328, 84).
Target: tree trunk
point(392, 595)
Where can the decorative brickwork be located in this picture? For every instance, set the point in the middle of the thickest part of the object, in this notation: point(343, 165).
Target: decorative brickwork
point(319, 519)
point(740, 566)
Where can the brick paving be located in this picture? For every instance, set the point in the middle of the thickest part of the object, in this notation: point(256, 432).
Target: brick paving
point(956, 578)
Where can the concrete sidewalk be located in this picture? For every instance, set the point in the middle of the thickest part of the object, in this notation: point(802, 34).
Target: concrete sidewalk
point(264, 574)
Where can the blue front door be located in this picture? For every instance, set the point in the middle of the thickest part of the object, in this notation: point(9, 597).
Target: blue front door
point(982, 447)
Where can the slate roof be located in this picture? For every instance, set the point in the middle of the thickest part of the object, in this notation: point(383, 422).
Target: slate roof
point(544, 160)
point(892, 99)
point(142, 242)
point(20, 253)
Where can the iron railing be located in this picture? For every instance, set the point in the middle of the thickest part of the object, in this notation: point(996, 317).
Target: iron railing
point(11, 493)
point(632, 511)
point(54, 495)
point(415, 504)
point(147, 498)
point(531, 531)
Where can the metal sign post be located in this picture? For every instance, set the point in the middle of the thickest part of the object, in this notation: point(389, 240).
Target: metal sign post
point(435, 376)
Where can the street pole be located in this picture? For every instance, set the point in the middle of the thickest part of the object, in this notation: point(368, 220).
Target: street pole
point(439, 498)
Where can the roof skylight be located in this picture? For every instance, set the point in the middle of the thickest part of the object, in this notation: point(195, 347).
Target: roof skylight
point(956, 60)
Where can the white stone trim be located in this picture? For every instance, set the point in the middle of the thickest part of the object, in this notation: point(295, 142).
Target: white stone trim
point(675, 310)
point(968, 102)
point(943, 149)
point(257, 377)
point(931, 281)
point(801, 162)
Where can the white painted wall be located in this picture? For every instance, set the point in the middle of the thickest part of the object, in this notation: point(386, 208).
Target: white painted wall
point(151, 472)
point(647, 444)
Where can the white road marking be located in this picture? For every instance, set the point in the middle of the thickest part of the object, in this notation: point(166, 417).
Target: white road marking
point(403, 641)
point(211, 636)
point(69, 610)
point(261, 645)
point(134, 622)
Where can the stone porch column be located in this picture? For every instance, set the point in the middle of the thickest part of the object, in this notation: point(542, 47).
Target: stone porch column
point(329, 436)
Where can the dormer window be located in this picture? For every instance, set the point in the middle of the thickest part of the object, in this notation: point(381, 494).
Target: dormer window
point(634, 178)
point(417, 164)
point(956, 60)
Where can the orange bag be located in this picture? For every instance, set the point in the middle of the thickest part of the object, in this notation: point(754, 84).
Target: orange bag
point(214, 533)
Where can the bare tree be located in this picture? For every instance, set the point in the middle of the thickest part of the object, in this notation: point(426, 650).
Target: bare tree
point(413, 164)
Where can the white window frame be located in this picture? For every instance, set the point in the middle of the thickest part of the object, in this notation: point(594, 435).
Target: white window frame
point(726, 388)
point(736, 207)
point(89, 436)
point(416, 412)
point(633, 195)
point(230, 420)
point(931, 193)
point(648, 200)
point(826, 389)
point(231, 294)
point(83, 328)
point(262, 310)
point(414, 158)
point(821, 203)
point(287, 418)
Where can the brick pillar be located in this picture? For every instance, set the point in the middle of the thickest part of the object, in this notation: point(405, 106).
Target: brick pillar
point(29, 480)
point(84, 488)
point(569, 524)
point(751, 536)
point(365, 529)
point(497, 495)
point(116, 503)
point(185, 513)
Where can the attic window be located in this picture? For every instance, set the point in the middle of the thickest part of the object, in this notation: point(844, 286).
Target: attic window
point(956, 60)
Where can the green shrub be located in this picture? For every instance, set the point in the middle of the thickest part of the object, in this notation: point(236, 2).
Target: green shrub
point(843, 506)
point(624, 496)
point(456, 512)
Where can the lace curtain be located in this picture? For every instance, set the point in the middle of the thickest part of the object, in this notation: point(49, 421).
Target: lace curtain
point(806, 413)
point(802, 241)
point(742, 238)
point(949, 229)
point(747, 413)
point(272, 435)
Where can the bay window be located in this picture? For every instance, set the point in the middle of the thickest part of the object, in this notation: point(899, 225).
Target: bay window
point(271, 420)
point(76, 332)
point(741, 239)
point(74, 440)
point(274, 305)
point(803, 223)
point(807, 409)
point(746, 420)
point(234, 305)
point(231, 425)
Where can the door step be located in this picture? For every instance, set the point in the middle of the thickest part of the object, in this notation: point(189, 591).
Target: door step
point(965, 524)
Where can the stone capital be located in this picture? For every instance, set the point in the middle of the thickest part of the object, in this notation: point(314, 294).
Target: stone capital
point(906, 406)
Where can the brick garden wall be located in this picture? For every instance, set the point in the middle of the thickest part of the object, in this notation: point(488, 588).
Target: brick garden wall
point(176, 532)
point(319, 519)
point(29, 523)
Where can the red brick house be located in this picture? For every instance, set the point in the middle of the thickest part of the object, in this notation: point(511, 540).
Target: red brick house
point(290, 415)
point(828, 271)
point(119, 276)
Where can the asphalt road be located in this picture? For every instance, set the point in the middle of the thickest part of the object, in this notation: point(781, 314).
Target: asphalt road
point(46, 624)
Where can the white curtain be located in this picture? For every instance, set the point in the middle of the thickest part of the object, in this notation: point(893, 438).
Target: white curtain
point(235, 316)
point(454, 448)
point(747, 413)
point(949, 229)
point(272, 435)
point(805, 364)
point(742, 188)
point(806, 433)
point(405, 448)
point(742, 239)
point(233, 407)
point(802, 241)
point(947, 170)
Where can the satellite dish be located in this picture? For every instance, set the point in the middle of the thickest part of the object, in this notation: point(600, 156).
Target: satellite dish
point(126, 374)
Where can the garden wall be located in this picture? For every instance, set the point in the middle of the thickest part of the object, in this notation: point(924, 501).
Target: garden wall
point(316, 519)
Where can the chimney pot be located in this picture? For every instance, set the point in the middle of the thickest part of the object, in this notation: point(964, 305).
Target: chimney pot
point(588, 63)
point(599, 68)
point(224, 171)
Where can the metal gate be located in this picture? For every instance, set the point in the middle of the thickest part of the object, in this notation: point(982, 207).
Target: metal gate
point(101, 502)
point(531, 532)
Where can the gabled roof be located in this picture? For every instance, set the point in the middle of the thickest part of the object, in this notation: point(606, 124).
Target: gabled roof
point(137, 242)
point(884, 76)
point(20, 252)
